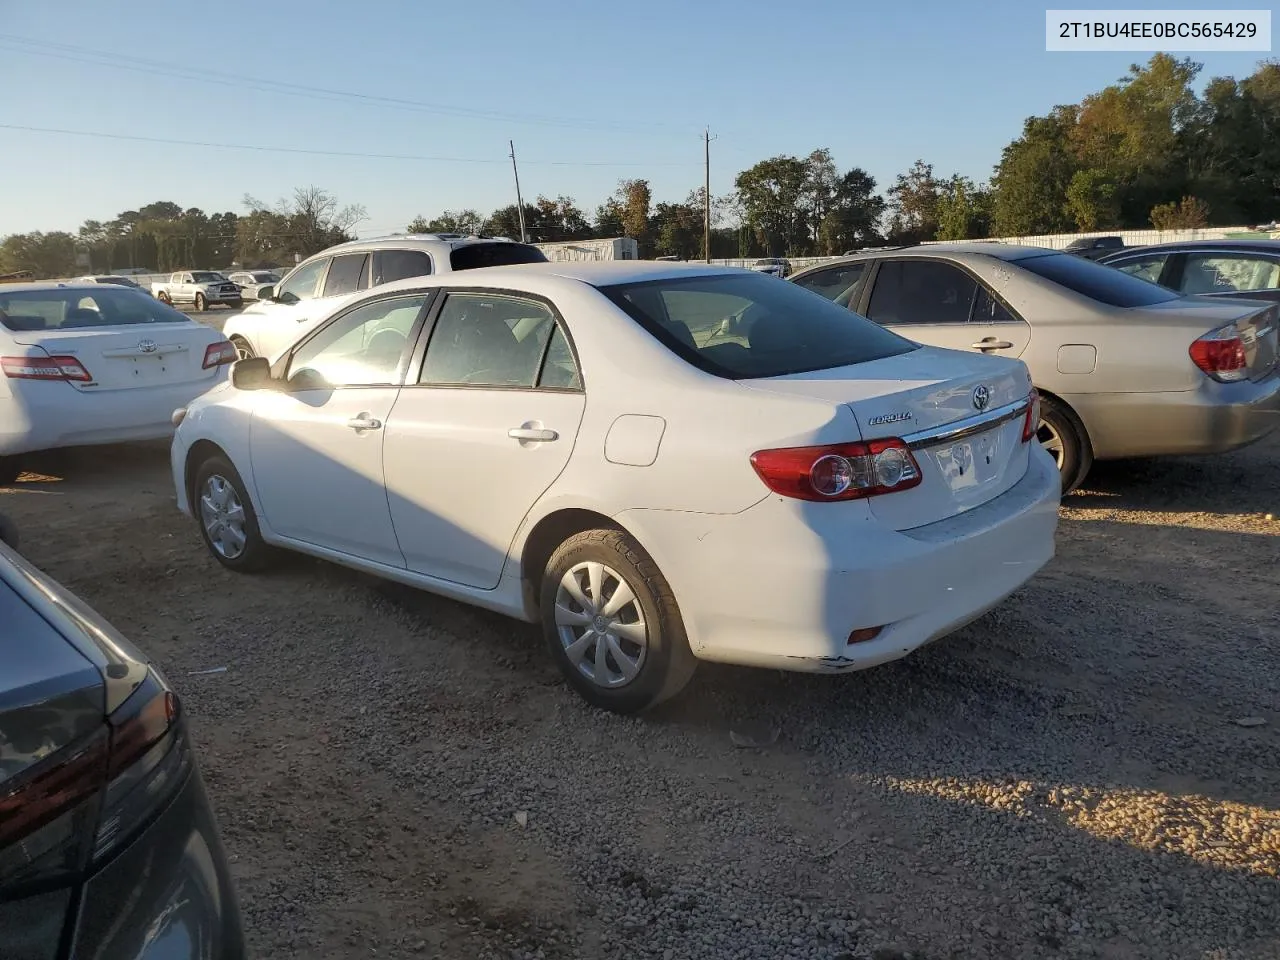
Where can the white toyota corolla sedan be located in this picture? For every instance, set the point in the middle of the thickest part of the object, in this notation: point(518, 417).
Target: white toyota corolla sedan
point(88, 363)
point(660, 463)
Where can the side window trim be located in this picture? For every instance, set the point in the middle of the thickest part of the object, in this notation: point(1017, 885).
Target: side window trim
point(281, 367)
point(413, 372)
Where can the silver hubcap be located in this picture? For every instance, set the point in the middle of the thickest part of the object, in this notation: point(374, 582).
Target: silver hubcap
point(222, 514)
point(601, 625)
point(1051, 440)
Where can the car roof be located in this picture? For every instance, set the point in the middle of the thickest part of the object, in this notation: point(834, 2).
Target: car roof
point(999, 251)
point(595, 273)
point(41, 285)
point(427, 241)
point(1259, 245)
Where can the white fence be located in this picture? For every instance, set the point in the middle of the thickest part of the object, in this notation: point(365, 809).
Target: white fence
point(1130, 238)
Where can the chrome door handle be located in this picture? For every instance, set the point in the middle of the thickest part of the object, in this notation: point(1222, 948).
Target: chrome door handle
point(991, 343)
point(526, 434)
point(364, 422)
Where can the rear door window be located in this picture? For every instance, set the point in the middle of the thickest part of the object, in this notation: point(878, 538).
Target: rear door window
point(840, 285)
point(345, 275)
point(921, 291)
point(302, 284)
point(1147, 268)
point(1229, 273)
point(391, 265)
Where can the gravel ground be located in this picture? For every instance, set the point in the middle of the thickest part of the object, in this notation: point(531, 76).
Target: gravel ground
point(401, 776)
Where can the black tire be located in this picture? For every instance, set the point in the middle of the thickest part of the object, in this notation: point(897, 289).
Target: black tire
point(201, 304)
point(164, 298)
point(8, 532)
point(256, 554)
point(667, 663)
point(10, 470)
point(1075, 456)
point(235, 304)
point(243, 349)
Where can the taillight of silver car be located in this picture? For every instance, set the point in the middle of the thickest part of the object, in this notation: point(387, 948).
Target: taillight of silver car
point(1220, 354)
point(216, 354)
point(45, 368)
point(79, 805)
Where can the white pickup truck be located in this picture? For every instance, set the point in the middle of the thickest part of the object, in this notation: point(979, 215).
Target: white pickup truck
point(203, 288)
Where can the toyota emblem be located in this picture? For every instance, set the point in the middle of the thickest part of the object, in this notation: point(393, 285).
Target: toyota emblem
point(149, 346)
point(981, 396)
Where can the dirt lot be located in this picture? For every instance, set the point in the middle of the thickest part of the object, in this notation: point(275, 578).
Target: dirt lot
point(401, 776)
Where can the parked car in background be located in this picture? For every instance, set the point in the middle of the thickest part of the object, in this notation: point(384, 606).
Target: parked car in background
point(1125, 368)
point(774, 266)
point(90, 364)
point(108, 845)
point(252, 283)
point(200, 288)
point(1207, 268)
point(314, 287)
point(112, 279)
point(1093, 248)
point(810, 493)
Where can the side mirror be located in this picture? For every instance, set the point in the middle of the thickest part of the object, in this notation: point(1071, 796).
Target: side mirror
point(252, 373)
point(267, 293)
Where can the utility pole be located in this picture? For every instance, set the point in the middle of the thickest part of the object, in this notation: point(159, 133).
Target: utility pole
point(706, 195)
point(524, 237)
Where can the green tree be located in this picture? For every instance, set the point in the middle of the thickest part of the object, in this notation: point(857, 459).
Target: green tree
point(466, 222)
point(1030, 182)
point(560, 219)
point(913, 205)
point(963, 210)
point(47, 255)
point(851, 214)
point(1189, 213)
point(772, 196)
point(1092, 200)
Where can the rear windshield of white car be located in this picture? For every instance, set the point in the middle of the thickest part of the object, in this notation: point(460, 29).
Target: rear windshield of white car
point(748, 325)
point(69, 309)
point(472, 256)
point(1095, 281)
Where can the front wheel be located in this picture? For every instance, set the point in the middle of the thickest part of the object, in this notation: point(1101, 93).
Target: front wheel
point(612, 624)
point(1063, 436)
point(200, 303)
point(164, 298)
point(225, 514)
point(244, 350)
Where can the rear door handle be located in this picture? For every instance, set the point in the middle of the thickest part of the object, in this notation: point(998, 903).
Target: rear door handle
point(527, 434)
point(364, 422)
point(991, 343)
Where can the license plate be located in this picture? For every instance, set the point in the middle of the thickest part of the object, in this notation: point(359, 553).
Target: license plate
point(970, 463)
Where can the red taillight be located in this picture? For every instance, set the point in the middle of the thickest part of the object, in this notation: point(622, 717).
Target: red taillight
point(1220, 354)
point(216, 354)
point(1031, 422)
point(842, 471)
point(44, 368)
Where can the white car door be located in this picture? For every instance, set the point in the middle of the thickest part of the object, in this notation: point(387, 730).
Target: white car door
point(316, 446)
point(939, 304)
point(485, 430)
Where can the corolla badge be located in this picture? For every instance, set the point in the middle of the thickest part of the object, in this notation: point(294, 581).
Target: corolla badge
point(981, 396)
point(889, 418)
point(147, 346)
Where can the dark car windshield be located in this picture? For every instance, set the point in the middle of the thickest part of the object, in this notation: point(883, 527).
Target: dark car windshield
point(207, 277)
point(742, 326)
point(266, 278)
point(472, 256)
point(118, 281)
point(70, 309)
point(1095, 281)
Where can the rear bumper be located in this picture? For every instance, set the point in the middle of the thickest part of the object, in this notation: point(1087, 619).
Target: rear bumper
point(1214, 418)
point(168, 895)
point(783, 584)
point(45, 416)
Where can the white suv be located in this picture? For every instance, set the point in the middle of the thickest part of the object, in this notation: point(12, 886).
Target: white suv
point(316, 285)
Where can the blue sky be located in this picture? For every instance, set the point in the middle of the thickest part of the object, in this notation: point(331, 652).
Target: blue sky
point(590, 92)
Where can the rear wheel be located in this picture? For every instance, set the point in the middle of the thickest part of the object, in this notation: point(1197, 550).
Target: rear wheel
point(164, 298)
point(1063, 436)
point(10, 470)
point(200, 303)
point(225, 515)
point(243, 348)
point(612, 624)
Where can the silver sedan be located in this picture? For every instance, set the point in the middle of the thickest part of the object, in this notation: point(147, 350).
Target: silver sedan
point(1125, 368)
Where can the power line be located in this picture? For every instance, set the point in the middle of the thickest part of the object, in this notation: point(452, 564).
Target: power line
point(116, 60)
point(329, 153)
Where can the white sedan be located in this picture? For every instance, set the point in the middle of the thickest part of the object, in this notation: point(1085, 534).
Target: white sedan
point(96, 363)
point(583, 445)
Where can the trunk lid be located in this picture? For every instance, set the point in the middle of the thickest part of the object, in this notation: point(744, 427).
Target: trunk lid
point(961, 412)
point(1256, 322)
point(129, 356)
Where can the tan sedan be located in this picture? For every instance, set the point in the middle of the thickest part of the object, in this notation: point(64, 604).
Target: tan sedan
point(1125, 368)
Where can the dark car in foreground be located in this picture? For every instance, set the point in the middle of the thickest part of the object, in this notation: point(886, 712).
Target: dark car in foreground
point(1207, 268)
point(108, 847)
